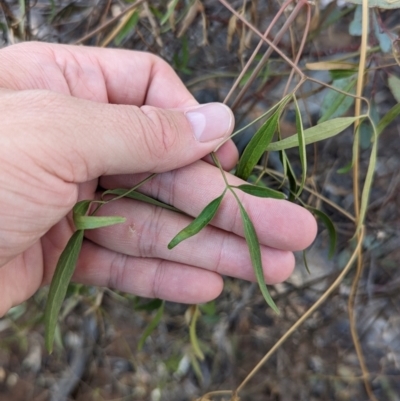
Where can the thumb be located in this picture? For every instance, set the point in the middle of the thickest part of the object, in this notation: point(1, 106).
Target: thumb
point(88, 139)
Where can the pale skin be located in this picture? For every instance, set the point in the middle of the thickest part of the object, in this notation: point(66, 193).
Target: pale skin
point(74, 118)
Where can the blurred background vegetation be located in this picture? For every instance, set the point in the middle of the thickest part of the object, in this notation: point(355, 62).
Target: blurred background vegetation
point(103, 351)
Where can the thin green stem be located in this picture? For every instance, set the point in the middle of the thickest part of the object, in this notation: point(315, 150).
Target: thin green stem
point(151, 176)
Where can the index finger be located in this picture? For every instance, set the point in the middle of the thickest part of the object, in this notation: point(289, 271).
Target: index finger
point(279, 224)
point(105, 75)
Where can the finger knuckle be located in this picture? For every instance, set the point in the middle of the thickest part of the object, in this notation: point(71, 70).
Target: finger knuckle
point(160, 132)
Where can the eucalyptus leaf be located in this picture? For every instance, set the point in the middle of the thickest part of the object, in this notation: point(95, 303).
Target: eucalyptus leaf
point(355, 27)
point(317, 133)
point(257, 146)
point(329, 226)
point(385, 42)
point(255, 255)
point(92, 222)
point(205, 216)
point(261, 192)
point(59, 285)
point(151, 326)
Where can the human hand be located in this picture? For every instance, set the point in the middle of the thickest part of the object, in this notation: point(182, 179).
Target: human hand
point(74, 115)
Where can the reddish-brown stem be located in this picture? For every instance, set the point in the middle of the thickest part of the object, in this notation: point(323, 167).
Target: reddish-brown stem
point(256, 50)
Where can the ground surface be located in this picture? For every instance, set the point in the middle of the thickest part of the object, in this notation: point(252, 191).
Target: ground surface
point(97, 358)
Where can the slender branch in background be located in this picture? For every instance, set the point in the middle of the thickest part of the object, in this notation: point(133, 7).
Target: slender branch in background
point(302, 44)
point(260, 35)
point(256, 50)
point(356, 195)
point(10, 17)
point(268, 53)
point(307, 314)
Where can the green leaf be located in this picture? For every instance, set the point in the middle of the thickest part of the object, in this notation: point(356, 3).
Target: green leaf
point(388, 118)
point(255, 255)
point(151, 326)
point(171, 7)
point(368, 180)
point(385, 42)
point(92, 222)
point(140, 197)
point(340, 74)
point(127, 28)
point(329, 226)
point(261, 192)
point(305, 261)
point(59, 285)
point(198, 223)
point(84, 222)
point(345, 169)
point(257, 146)
point(302, 145)
point(394, 85)
point(209, 308)
point(355, 27)
point(317, 133)
point(81, 208)
point(336, 104)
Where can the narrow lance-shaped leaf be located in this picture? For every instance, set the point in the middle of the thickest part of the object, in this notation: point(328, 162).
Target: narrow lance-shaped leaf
point(261, 192)
point(170, 9)
point(140, 197)
point(198, 223)
point(302, 145)
point(92, 222)
point(151, 326)
point(329, 226)
point(257, 146)
point(336, 104)
point(84, 222)
point(388, 118)
point(394, 85)
point(305, 261)
point(255, 255)
point(81, 208)
point(128, 27)
point(59, 285)
point(291, 176)
point(368, 181)
point(317, 133)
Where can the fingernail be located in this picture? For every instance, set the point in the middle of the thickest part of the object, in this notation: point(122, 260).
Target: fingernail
point(210, 121)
